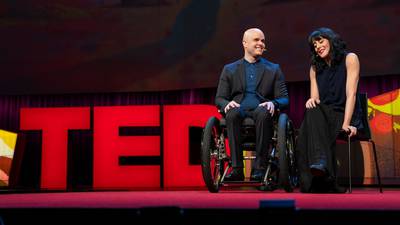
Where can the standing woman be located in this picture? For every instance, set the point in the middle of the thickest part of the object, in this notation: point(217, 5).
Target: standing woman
point(334, 76)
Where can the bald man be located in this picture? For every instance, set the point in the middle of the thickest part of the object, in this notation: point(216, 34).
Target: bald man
point(251, 87)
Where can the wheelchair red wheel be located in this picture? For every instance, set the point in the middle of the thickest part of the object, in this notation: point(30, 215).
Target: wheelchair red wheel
point(211, 162)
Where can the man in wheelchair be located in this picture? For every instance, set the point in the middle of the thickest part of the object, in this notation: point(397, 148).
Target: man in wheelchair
point(251, 87)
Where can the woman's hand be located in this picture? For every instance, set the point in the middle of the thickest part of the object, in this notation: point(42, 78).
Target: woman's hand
point(312, 103)
point(352, 131)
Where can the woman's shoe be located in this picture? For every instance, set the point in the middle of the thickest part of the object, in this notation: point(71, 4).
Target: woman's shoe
point(318, 170)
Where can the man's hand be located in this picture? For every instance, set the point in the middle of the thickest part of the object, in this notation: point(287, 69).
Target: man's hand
point(312, 103)
point(231, 105)
point(269, 106)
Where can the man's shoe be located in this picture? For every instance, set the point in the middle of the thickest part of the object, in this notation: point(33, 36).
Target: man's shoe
point(318, 170)
point(236, 174)
point(257, 175)
point(319, 185)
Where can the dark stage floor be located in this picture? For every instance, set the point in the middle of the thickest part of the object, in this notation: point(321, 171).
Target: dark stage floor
point(234, 206)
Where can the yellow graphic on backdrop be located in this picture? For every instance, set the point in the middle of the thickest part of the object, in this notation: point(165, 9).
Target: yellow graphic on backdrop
point(7, 146)
point(391, 108)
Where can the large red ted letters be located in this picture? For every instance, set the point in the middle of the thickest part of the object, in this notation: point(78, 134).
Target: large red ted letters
point(54, 124)
point(109, 146)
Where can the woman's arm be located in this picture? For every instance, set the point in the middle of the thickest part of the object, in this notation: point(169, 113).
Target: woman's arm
point(314, 93)
point(353, 74)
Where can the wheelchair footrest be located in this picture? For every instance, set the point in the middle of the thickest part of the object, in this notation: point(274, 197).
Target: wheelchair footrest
point(241, 183)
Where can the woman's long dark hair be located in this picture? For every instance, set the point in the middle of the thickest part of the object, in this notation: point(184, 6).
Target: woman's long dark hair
point(337, 47)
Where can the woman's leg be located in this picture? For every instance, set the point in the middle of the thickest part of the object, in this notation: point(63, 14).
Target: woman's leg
point(314, 147)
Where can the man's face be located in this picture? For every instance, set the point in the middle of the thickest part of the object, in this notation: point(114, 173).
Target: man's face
point(254, 43)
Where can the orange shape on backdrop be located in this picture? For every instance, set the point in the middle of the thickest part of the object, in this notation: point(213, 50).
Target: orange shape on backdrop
point(385, 98)
point(382, 123)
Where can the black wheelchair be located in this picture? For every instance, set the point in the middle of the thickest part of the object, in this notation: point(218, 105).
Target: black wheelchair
point(281, 168)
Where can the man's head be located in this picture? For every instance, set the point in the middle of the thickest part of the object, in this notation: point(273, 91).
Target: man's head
point(253, 43)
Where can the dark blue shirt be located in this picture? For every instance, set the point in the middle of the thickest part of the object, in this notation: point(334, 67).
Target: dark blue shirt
point(250, 100)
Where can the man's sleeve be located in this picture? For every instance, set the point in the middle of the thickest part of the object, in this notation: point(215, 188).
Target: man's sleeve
point(281, 100)
point(223, 90)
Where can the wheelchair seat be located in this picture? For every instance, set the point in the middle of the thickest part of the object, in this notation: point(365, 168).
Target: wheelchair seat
point(247, 122)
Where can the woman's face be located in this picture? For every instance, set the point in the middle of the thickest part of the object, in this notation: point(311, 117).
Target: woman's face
point(322, 47)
